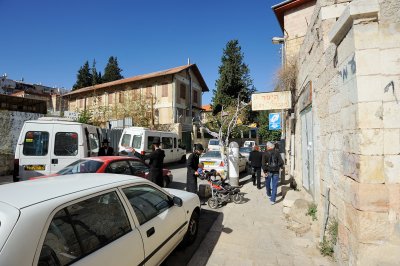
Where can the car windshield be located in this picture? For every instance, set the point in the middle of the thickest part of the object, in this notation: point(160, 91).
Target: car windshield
point(212, 154)
point(245, 150)
point(81, 166)
point(213, 142)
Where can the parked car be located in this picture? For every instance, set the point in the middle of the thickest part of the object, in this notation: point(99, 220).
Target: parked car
point(249, 143)
point(93, 219)
point(141, 140)
point(213, 145)
point(213, 160)
point(112, 165)
point(245, 151)
point(47, 145)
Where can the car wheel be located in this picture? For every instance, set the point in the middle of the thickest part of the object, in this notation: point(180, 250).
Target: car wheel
point(193, 228)
point(213, 203)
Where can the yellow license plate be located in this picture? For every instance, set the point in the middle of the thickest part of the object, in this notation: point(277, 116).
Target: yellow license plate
point(38, 167)
point(208, 163)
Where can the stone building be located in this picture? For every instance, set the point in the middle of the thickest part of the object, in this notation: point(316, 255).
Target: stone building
point(347, 125)
point(169, 98)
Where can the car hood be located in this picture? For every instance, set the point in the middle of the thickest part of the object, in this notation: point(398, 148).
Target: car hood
point(184, 195)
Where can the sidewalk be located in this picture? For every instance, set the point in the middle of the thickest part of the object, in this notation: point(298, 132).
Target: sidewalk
point(255, 233)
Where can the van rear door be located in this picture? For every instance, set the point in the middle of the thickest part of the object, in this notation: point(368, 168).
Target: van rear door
point(34, 150)
point(68, 146)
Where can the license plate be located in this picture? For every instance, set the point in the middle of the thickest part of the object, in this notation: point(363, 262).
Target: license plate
point(38, 167)
point(208, 163)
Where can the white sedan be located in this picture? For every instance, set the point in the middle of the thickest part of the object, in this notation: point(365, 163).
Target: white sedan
point(93, 219)
point(213, 160)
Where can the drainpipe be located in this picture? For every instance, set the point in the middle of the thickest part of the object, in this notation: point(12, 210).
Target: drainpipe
point(190, 95)
point(173, 100)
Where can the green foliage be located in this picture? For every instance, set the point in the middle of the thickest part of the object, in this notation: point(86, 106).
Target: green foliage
point(96, 76)
point(85, 116)
point(84, 77)
point(263, 131)
point(329, 241)
point(112, 71)
point(234, 78)
point(312, 211)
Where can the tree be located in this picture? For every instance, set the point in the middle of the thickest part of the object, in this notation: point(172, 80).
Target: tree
point(96, 76)
point(234, 77)
point(84, 77)
point(263, 131)
point(112, 71)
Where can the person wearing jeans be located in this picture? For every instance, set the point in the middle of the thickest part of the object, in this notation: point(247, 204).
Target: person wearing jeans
point(272, 163)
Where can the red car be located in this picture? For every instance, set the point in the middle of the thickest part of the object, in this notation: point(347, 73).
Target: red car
point(111, 164)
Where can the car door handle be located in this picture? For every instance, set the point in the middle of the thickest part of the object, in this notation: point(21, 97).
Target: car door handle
point(150, 232)
point(54, 161)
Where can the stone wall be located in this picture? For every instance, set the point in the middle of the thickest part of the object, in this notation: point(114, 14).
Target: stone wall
point(353, 63)
point(11, 125)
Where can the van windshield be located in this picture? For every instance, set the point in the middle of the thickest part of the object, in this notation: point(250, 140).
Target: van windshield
point(126, 140)
point(213, 142)
point(81, 166)
point(137, 141)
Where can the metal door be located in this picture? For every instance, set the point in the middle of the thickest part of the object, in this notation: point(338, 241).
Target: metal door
point(307, 150)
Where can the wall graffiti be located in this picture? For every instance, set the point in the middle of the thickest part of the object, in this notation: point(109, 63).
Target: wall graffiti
point(350, 68)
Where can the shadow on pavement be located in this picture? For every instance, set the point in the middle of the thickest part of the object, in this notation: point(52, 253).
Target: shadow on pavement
point(205, 242)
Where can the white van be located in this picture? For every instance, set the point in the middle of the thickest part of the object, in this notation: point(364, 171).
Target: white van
point(213, 145)
point(48, 144)
point(141, 139)
point(249, 144)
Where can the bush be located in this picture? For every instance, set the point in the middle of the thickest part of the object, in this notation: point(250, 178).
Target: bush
point(312, 211)
point(328, 243)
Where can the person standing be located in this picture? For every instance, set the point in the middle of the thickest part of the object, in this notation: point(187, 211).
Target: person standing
point(156, 161)
point(255, 159)
point(105, 149)
point(192, 165)
point(272, 163)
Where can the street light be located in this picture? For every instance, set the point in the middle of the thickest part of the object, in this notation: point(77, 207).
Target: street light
point(281, 41)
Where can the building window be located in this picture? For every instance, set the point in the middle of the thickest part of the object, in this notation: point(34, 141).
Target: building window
point(195, 97)
point(121, 97)
point(148, 92)
point(182, 91)
point(164, 89)
point(110, 98)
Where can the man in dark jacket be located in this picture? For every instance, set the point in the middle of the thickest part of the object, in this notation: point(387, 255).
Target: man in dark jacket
point(192, 164)
point(272, 163)
point(156, 162)
point(105, 149)
point(255, 159)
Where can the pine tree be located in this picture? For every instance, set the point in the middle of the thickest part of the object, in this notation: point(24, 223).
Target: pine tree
point(234, 78)
point(84, 77)
point(96, 76)
point(112, 71)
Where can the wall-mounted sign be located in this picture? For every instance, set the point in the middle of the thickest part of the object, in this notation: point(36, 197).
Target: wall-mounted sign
point(271, 101)
point(274, 121)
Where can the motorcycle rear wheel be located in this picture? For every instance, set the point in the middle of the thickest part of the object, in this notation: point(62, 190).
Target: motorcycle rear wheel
point(237, 198)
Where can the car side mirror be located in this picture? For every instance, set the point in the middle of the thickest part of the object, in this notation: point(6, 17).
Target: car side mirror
point(177, 201)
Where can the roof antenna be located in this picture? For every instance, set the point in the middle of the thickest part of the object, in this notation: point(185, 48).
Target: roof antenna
point(188, 61)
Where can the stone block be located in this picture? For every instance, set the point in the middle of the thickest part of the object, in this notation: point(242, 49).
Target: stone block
point(391, 113)
point(370, 141)
point(394, 201)
point(367, 62)
point(391, 138)
point(367, 227)
point(390, 61)
point(388, 87)
point(366, 35)
point(351, 165)
point(349, 117)
point(369, 88)
point(389, 34)
point(290, 197)
point(369, 115)
point(392, 169)
point(366, 197)
point(371, 169)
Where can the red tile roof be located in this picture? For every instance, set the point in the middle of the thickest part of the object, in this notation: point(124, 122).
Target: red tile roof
point(281, 8)
point(170, 71)
point(207, 108)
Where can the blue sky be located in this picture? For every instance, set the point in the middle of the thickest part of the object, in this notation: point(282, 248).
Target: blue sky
point(46, 41)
